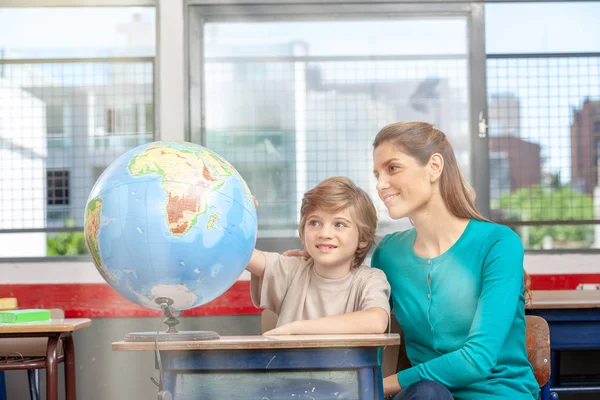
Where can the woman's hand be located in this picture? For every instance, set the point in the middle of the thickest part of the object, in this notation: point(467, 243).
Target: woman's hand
point(391, 385)
point(296, 253)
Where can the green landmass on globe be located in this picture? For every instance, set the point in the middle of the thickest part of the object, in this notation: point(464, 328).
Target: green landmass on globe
point(92, 226)
point(178, 168)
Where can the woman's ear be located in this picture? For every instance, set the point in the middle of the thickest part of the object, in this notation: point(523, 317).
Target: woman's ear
point(363, 245)
point(436, 167)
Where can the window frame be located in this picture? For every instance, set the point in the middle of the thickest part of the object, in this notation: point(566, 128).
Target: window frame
point(202, 12)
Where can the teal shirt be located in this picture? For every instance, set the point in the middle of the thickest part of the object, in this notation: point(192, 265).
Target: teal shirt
point(462, 313)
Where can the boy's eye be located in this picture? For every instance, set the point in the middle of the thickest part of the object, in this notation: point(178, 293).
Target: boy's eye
point(313, 223)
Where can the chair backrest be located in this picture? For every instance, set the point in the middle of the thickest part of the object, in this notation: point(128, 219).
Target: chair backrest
point(538, 347)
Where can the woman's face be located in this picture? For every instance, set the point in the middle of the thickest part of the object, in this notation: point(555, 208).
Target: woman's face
point(403, 184)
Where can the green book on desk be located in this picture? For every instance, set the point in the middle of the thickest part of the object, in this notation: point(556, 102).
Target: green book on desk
point(19, 316)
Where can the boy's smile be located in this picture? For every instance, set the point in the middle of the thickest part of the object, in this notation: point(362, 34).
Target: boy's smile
point(331, 239)
point(325, 247)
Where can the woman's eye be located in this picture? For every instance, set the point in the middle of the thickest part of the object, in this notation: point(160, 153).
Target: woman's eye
point(340, 225)
point(394, 168)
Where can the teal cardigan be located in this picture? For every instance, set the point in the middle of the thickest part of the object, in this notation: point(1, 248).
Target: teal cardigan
point(463, 312)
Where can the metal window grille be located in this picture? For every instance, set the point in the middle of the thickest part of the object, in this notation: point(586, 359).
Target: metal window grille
point(62, 122)
point(543, 146)
point(286, 123)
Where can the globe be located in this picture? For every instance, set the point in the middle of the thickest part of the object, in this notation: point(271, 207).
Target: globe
point(170, 220)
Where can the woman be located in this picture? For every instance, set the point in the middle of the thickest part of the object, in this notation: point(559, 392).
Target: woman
point(457, 280)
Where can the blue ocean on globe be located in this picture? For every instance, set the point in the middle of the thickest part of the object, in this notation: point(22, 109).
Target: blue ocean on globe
point(172, 220)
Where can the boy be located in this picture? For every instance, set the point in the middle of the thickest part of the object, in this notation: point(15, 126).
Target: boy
point(330, 291)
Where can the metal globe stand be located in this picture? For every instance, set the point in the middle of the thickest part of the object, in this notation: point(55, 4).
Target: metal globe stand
point(171, 334)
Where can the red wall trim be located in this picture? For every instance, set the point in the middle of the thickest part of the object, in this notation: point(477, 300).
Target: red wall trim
point(563, 281)
point(101, 301)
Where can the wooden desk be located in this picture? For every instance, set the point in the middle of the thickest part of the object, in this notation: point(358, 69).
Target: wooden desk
point(55, 330)
point(273, 367)
point(574, 320)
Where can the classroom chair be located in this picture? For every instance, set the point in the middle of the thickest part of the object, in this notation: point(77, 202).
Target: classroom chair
point(30, 349)
point(538, 352)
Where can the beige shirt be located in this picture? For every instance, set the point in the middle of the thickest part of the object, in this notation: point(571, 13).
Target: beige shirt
point(291, 288)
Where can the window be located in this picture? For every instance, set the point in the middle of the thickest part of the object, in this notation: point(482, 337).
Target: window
point(543, 102)
point(62, 71)
point(300, 100)
point(290, 103)
point(130, 120)
point(55, 119)
point(57, 187)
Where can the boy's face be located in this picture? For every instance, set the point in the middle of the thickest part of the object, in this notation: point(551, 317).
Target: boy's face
point(331, 238)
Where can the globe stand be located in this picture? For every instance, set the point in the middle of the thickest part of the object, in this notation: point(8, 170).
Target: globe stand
point(171, 335)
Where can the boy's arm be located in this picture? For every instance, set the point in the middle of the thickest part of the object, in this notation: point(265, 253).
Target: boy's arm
point(257, 263)
point(373, 320)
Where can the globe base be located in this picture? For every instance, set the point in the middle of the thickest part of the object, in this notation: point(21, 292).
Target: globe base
point(181, 336)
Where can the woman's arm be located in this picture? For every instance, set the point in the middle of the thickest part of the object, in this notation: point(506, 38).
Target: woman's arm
point(502, 286)
point(373, 320)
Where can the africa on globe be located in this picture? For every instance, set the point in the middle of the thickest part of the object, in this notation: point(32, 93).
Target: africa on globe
point(170, 219)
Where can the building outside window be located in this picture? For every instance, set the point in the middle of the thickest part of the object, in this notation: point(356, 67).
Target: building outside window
point(79, 92)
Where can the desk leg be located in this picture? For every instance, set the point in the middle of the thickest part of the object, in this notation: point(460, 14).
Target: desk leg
point(169, 381)
point(69, 351)
point(378, 383)
point(33, 376)
point(366, 384)
point(52, 369)
point(2, 386)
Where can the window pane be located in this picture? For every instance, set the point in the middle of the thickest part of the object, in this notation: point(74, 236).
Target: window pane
point(544, 148)
point(84, 93)
point(310, 106)
point(61, 122)
point(517, 27)
point(76, 32)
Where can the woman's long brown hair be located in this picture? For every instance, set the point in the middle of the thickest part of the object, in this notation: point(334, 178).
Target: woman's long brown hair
point(422, 140)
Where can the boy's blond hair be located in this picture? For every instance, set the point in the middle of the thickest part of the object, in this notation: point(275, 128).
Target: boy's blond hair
point(339, 193)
